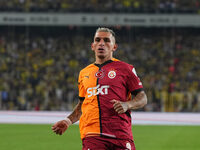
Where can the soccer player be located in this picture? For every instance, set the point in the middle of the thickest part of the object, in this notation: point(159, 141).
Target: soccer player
point(108, 90)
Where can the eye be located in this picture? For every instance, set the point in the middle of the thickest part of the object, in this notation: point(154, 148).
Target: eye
point(97, 39)
point(106, 40)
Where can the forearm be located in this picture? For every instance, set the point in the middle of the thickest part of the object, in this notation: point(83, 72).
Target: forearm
point(75, 115)
point(139, 101)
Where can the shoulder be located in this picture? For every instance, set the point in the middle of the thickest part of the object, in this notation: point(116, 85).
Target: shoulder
point(125, 68)
point(87, 68)
point(123, 64)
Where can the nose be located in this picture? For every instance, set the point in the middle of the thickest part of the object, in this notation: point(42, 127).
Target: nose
point(101, 42)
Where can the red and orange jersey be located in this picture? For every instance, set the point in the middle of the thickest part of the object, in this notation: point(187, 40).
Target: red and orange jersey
point(98, 85)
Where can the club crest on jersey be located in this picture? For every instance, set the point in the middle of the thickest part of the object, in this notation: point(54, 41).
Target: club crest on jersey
point(111, 74)
point(100, 74)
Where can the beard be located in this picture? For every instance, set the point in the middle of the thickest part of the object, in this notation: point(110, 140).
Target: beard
point(101, 56)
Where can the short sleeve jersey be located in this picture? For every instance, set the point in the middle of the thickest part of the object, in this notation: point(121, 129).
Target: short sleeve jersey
point(98, 85)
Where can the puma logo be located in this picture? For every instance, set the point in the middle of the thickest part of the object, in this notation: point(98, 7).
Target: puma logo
point(87, 77)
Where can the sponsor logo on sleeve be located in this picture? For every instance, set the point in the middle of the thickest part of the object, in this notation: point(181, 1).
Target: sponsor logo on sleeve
point(128, 146)
point(134, 71)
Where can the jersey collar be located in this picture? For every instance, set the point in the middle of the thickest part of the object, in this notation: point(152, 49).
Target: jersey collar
point(105, 63)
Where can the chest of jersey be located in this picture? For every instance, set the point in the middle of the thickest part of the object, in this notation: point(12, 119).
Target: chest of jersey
point(107, 80)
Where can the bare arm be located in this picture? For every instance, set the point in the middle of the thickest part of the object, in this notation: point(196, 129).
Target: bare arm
point(76, 114)
point(139, 101)
point(61, 126)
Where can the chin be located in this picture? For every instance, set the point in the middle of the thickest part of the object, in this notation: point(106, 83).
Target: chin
point(101, 56)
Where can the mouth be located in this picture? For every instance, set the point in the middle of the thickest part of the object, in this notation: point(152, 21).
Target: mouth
point(100, 50)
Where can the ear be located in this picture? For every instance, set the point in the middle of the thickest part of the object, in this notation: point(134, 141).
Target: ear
point(115, 47)
point(92, 46)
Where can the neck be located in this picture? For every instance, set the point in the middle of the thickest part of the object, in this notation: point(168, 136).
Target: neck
point(102, 60)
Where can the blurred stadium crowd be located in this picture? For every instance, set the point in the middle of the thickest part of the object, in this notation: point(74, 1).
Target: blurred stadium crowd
point(136, 6)
point(39, 68)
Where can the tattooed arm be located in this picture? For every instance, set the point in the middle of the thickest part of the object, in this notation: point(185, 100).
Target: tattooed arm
point(61, 126)
point(76, 114)
point(139, 101)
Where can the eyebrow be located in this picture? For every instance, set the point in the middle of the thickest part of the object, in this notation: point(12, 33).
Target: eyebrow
point(105, 39)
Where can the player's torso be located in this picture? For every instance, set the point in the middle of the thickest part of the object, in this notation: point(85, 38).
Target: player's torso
point(103, 83)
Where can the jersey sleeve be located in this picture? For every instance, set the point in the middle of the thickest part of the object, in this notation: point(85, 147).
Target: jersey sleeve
point(134, 84)
point(81, 87)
